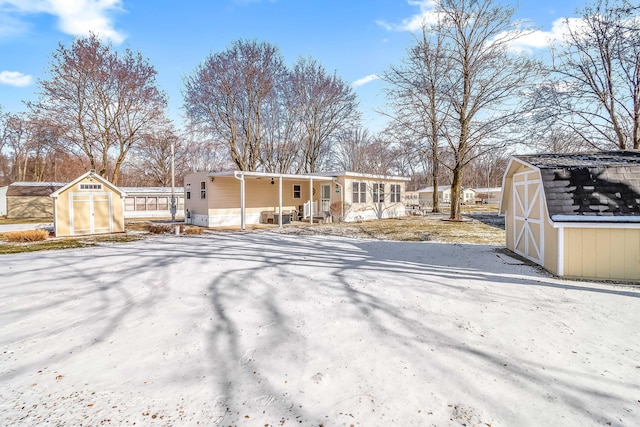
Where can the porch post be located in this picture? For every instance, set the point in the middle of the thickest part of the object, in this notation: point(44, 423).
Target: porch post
point(311, 199)
point(280, 201)
point(241, 179)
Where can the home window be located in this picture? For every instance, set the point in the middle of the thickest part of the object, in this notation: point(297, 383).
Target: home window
point(359, 193)
point(91, 186)
point(203, 190)
point(163, 203)
point(395, 193)
point(152, 203)
point(297, 191)
point(378, 193)
point(141, 203)
point(188, 195)
point(129, 204)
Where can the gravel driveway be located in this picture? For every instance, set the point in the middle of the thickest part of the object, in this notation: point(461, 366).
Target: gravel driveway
point(264, 329)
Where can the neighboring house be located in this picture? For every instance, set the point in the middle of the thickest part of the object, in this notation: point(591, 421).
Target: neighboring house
point(577, 215)
point(240, 198)
point(152, 202)
point(412, 199)
point(88, 205)
point(3, 201)
point(488, 195)
point(467, 195)
point(31, 199)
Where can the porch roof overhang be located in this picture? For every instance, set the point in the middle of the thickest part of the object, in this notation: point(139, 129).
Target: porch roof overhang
point(258, 175)
point(243, 175)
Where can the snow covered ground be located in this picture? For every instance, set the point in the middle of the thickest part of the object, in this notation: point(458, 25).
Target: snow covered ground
point(264, 329)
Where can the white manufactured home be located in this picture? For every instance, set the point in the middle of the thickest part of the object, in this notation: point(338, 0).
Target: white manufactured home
point(236, 198)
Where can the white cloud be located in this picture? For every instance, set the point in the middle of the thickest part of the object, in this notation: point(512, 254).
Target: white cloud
point(415, 22)
point(541, 39)
point(365, 80)
point(15, 78)
point(76, 17)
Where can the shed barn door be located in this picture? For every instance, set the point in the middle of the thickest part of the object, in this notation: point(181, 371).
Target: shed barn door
point(90, 213)
point(528, 226)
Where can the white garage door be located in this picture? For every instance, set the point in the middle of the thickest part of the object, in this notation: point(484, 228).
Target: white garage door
point(528, 227)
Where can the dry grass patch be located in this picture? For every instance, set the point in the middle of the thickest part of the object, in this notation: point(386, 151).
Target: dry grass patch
point(171, 228)
point(160, 228)
point(190, 229)
point(25, 236)
point(67, 243)
point(432, 228)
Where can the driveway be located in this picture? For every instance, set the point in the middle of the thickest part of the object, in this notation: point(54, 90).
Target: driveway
point(5, 228)
point(264, 329)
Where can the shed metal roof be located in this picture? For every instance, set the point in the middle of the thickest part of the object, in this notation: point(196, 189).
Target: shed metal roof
point(597, 185)
point(33, 188)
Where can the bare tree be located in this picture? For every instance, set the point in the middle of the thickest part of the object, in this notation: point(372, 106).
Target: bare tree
point(102, 101)
point(418, 96)
point(281, 151)
point(358, 151)
point(351, 150)
point(483, 82)
point(597, 92)
point(202, 153)
point(326, 105)
point(4, 128)
point(151, 158)
point(227, 94)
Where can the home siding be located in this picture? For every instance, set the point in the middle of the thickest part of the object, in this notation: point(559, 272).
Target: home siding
point(260, 196)
point(602, 253)
point(369, 209)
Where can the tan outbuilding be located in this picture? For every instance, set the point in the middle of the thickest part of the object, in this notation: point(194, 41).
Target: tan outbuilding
point(577, 215)
point(88, 205)
point(30, 199)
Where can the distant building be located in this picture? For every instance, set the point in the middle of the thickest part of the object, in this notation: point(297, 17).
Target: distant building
point(467, 195)
point(488, 195)
point(31, 199)
point(152, 202)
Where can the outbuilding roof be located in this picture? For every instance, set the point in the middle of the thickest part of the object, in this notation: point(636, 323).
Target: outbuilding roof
point(589, 186)
point(33, 188)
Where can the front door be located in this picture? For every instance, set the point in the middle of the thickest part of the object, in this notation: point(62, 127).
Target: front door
point(528, 226)
point(325, 197)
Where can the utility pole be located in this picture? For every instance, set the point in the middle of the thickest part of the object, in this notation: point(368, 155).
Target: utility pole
point(173, 184)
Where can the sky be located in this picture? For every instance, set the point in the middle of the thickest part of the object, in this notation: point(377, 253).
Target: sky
point(356, 39)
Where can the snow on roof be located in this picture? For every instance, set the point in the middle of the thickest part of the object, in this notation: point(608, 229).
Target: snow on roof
point(595, 218)
point(151, 190)
point(488, 190)
point(37, 184)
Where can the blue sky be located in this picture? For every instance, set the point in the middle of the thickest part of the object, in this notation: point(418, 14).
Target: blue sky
point(357, 39)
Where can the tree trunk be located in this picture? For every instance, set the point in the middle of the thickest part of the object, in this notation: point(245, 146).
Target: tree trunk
point(456, 189)
point(435, 169)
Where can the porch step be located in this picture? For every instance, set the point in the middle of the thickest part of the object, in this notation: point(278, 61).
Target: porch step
point(317, 219)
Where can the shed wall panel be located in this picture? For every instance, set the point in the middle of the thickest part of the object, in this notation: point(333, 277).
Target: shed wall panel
point(602, 253)
point(29, 207)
